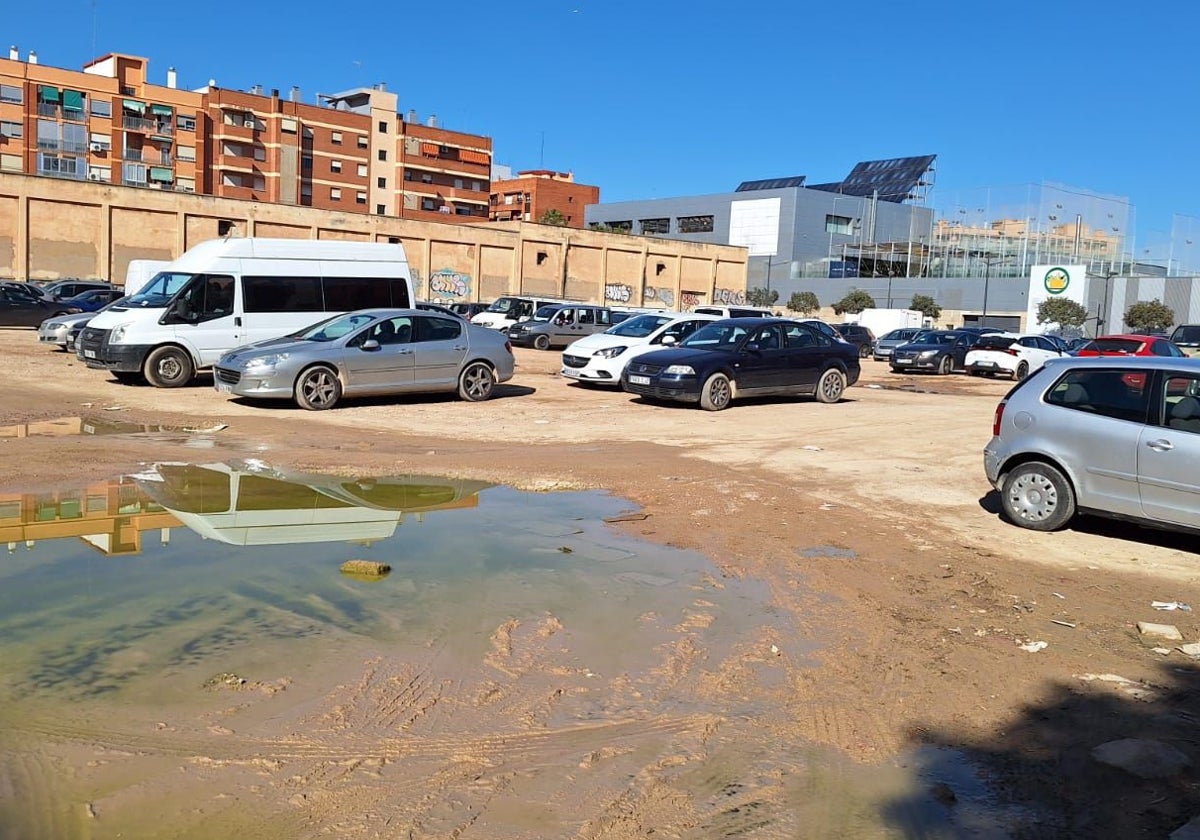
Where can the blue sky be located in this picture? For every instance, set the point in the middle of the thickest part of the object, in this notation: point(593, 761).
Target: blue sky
point(665, 98)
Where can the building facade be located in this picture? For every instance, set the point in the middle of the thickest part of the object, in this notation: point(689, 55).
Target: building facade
point(534, 192)
point(351, 152)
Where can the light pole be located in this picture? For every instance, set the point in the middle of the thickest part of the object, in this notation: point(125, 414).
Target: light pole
point(1101, 320)
point(987, 274)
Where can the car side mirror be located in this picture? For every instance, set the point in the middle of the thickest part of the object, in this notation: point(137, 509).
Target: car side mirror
point(369, 345)
point(753, 348)
point(669, 341)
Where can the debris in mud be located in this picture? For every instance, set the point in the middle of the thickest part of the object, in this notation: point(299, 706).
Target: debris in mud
point(1170, 605)
point(566, 549)
point(208, 430)
point(225, 679)
point(1142, 757)
point(365, 568)
point(627, 517)
point(1164, 631)
point(1192, 650)
point(1034, 647)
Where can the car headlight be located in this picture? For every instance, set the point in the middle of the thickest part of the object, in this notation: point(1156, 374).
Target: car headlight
point(927, 354)
point(610, 352)
point(264, 361)
point(118, 332)
point(680, 370)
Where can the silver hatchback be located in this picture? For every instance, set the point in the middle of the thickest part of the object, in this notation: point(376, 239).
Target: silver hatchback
point(1113, 436)
point(372, 351)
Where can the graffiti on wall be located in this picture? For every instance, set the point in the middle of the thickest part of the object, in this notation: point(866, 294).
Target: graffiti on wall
point(690, 300)
point(661, 294)
point(447, 283)
point(729, 297)
point(618, 292)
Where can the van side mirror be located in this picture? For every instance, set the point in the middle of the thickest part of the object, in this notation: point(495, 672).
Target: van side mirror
point(669, 341)
point(369, 345)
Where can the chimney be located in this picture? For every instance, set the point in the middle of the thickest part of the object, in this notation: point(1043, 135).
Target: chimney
point(381, 86)
point(172, 77)
point(32, 57)
point(294, 95)
point(432, 121)
point(411, 116)
point(14, 54)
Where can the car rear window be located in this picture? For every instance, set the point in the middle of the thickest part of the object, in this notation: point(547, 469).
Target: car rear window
point(993, 342)
point(1115, 345)
point(1112, 392)
point(1186, 335)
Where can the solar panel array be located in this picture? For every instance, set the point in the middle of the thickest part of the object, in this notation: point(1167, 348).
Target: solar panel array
point(895, 180)
point(771, 184)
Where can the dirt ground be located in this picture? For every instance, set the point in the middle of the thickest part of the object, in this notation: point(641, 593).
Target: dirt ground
point(870, 523)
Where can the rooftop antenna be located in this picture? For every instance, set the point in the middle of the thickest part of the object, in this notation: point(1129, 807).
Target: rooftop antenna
point(542, 153)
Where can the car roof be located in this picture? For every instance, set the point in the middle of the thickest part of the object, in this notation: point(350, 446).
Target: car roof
point(1130, 337)
point(1135, 362)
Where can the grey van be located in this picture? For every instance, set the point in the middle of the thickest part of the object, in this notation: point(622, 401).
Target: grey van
point(557, 325)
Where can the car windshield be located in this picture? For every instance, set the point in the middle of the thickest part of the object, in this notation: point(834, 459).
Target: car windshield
point(899, 335)
point(1122, 346)
point(1186, 335)
point(925, 337)
point(503, 304)
point(545, 313)
point(719, 335)
point(639, 326)
point(158, 292)
point(334, 328)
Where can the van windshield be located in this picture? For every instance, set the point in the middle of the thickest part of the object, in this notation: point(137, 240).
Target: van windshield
point(503, 304)
point(158, 292)
point(545, 313)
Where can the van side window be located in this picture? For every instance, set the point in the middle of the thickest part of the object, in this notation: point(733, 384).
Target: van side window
point(281, 294)
point(587, 316)
point(346, 294)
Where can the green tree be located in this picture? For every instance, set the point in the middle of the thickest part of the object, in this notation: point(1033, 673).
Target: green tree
point(805, 303)
point(1062, 311)
point(1149, 316)
point(762, 297)
point(927, 306)
point(855, 301)
point(552, 217)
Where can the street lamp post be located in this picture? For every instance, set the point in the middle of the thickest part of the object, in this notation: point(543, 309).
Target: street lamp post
point(987, 274)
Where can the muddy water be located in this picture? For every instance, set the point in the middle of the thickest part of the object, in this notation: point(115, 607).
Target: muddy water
point(181, 656)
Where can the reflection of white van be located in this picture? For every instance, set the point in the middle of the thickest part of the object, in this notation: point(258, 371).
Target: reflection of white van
point(734, 311)
point(228, 292)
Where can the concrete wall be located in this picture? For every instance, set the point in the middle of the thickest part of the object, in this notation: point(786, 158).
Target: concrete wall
point(50, 229)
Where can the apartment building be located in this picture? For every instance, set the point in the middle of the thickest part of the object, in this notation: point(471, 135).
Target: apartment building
point(349, 152)
point(534, 192)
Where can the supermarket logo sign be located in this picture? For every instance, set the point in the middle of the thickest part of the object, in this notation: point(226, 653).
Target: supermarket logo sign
point(1056, 280)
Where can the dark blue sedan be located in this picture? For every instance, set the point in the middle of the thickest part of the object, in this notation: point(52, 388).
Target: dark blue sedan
point(745, 357)
point(91, 301)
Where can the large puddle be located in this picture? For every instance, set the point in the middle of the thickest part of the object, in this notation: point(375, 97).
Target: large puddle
point(182, 656)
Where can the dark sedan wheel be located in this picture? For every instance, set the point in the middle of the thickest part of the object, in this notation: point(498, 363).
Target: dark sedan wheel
point(318, 388)
point(717, 393)
point(476, 382)
point(542, 342)
point(864, 351)
point(1037, 495)
point(168, 367)
point(830, 386)
point(945, 366)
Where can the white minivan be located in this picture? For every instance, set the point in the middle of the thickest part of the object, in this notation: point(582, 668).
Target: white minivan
point(225, 293)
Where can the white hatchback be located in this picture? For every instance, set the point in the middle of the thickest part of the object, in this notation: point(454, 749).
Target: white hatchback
point(600, 358)
point(1010, 354)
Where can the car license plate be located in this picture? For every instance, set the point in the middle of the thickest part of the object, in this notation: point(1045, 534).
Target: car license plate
point(639, 380)
point(903, 361)
point(89, 354)
point(224, 387)
point(985, 364)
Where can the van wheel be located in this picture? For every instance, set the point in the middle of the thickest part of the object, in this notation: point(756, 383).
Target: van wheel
point(318, 388)
point(476, 382)
point(1022, 371)
point(830, 386)
point(717, 393)
point(1037, 495)
point(169, 367)
point(542, 342)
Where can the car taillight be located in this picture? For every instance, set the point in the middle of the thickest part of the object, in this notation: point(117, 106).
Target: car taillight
point(997, 419)
point(508, 347)
point(1010, 351)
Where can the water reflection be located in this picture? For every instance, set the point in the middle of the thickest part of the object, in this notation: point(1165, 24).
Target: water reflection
point(250, 503)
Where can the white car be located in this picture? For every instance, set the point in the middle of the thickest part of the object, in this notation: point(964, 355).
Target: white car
point(600, 358)
point(1010, 354)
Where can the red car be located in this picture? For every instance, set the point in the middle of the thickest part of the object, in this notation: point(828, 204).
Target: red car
point(1129, 345)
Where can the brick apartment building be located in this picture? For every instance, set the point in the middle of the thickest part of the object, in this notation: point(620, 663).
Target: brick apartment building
point(533, 192)
point(351, 152)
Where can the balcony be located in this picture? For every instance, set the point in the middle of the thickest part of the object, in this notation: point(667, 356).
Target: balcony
point(164, 128)
point(132, 155)
point(69, 146)
point(47, 109)
point(138, 123)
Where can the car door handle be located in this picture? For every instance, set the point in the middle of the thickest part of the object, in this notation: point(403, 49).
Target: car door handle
point(1160, 445)
point(404, 352)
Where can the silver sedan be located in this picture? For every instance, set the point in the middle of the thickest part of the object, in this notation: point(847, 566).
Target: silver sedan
point(372, 351)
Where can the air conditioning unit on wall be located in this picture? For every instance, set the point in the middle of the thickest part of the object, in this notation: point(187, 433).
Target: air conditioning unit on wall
point(95, 176)
point(98, 147)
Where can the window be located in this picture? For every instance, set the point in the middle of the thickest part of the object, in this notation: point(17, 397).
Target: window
point(1181, 404)
point(306, 162)
point(695, 224)
point(335, 137)
point(656, 225)
point(11, 129)
point(185, 184)
point(458, 183)
point(462, 210)
point(185, 123)
point(362, 141)
point(381, 183)
point(426, 178)
point(335, 194)
point(1110, 392)
point(383, 154)
point(100, 108)
point(133, 173)
point(360, 198)
point(477, 186)
point(335, 166)
point(428, 204)
point(383, 126)
point(205, 297)
point(437, 329)
point(11, 94)
point(128, 90)
point(11, 163)
point(380, 209)
point(409, 175)
point(281, 294)
point(838, 224)
point(288, 125)
point(99, 173)
point(187, 153)
point(345, 294)
point(362, 170)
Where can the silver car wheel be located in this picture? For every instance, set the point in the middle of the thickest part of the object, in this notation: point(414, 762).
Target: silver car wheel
point(318, 389)
point(717, 393)
point(831, 386)
point(1037, 495)
point(476, 382)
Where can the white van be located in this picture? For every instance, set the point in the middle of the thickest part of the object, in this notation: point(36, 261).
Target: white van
point(734, 311)
point(508, 310)
point(228, 292)
point(141, 272)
